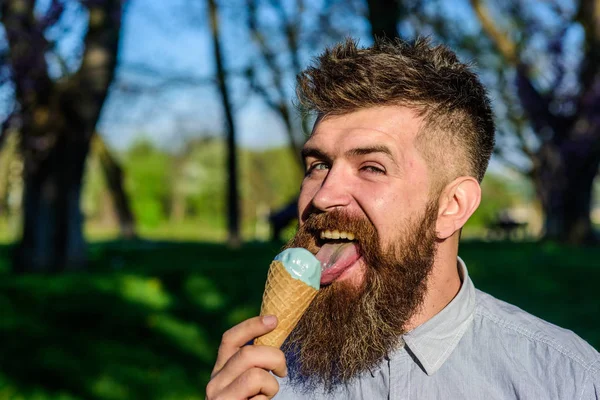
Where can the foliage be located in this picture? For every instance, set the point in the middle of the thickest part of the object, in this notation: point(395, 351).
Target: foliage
point(270, 177)
point(186, 188)
point(146, 320)
point(203, 179)
point(147, 182)
point(11, 187)
point(499, 193)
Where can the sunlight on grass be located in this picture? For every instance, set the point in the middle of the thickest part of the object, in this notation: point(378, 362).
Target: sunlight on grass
point(150, 329)
point(146, 291)
point(106, 387)
point(185, 335)
point(202, 292)
point(242, 313)
point(9, 392)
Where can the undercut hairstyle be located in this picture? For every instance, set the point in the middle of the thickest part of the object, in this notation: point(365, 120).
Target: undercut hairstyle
point(457, 134)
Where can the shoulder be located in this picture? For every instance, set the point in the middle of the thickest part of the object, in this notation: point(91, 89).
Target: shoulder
point(540, 339)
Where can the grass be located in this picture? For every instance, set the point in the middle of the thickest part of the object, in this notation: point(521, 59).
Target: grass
point(146, 320)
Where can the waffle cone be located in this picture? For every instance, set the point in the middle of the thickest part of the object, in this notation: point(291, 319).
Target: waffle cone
point(287, 298)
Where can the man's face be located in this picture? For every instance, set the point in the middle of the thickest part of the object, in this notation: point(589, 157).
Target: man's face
point(365, 165)
point(365, 180)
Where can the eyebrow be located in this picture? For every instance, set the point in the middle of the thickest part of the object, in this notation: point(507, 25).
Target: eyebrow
point(382, 149)
point(361, 151)
point(315, 153)
point(357, 151)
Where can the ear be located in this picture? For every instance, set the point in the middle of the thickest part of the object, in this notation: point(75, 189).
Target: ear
point(457, 202)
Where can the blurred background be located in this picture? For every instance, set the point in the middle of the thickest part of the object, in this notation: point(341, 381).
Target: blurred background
point(149, 169)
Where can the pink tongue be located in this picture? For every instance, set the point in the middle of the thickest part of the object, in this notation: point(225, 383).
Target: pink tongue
point(335, 258)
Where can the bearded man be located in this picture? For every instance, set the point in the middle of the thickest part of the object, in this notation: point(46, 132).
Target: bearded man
point(403, 136)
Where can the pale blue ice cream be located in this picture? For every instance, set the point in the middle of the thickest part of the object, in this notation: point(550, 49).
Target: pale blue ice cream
point(301, 264)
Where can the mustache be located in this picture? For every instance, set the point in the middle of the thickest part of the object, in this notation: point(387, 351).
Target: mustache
point(338, 220)
point(348, 330)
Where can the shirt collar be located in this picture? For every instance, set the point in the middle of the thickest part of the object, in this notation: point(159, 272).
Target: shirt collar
point(432, 342)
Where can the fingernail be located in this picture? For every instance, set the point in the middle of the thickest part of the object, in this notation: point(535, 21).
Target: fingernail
point(269, 320)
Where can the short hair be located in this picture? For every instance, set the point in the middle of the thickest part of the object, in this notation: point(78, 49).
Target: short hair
point(429, 79)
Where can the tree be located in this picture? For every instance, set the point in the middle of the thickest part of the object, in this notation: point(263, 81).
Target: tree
point(383, 17)
point(57, 115)
point(559, 93)
point(282, 45)
point(148, 177)
point(273, 89)
point(233, 221)
point(113, 175)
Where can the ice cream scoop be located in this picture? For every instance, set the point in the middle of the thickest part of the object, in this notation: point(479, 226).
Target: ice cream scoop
point(292, 283)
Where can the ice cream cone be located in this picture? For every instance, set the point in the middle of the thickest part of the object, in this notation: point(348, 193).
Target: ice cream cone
point(285, 297)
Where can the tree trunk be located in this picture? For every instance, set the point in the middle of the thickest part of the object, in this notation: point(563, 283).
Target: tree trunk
point(383, 16)
point(53, 223)
point(113, 175)
point(565, 186)
point(233, 213)
point(178, 207)
point(58, 118)
point(6, 156)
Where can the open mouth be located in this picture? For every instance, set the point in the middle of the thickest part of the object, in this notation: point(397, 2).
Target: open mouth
point(338, 253)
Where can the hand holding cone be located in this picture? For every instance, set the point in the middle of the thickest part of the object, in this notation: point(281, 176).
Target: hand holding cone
point(292, 284)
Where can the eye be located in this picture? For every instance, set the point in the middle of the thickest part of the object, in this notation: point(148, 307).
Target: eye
point(317, 166)
point(373, 169)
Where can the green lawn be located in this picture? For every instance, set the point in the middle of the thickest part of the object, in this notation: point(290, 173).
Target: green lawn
point(145, 322)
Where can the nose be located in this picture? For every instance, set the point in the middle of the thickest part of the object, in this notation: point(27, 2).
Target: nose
point(333, 192)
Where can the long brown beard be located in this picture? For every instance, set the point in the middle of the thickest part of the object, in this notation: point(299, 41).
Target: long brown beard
point(347, 330)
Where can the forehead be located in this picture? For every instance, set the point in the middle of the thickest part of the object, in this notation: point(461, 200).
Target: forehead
point(393, 126)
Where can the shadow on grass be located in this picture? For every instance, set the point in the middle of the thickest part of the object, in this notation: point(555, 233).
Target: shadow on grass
point(143, 323)
point(146, 320)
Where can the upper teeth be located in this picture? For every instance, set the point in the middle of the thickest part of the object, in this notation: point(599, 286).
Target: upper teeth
point(337, 235)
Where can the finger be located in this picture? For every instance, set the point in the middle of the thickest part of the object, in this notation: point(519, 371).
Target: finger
point(240, 334)
point(264, 357)
point(253, 382)
point(260, 397)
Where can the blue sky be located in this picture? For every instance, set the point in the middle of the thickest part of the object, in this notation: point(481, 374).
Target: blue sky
point(171, 38)
point(166, 39)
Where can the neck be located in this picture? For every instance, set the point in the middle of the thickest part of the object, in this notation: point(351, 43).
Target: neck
point(443, 283)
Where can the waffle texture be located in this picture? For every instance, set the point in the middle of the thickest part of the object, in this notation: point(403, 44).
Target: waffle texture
point(285, 297)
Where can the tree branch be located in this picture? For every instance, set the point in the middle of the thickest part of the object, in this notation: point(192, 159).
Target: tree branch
point(507, 47)
point(278, 105)
point(265, 51)
point(292, 35)
point(88, 88)
point(384, 16)
point(27, 46)
point(4, 132)
point(588, 15)
point(33, 87)
point(535, 104)
point(113, 175)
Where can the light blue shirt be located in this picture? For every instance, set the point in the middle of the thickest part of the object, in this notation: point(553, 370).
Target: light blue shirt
point(477, 347)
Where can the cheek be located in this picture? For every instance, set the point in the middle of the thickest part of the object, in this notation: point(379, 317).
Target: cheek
point(379, 207)
point(390, 211)
point(307, 193)
point(387, 216)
